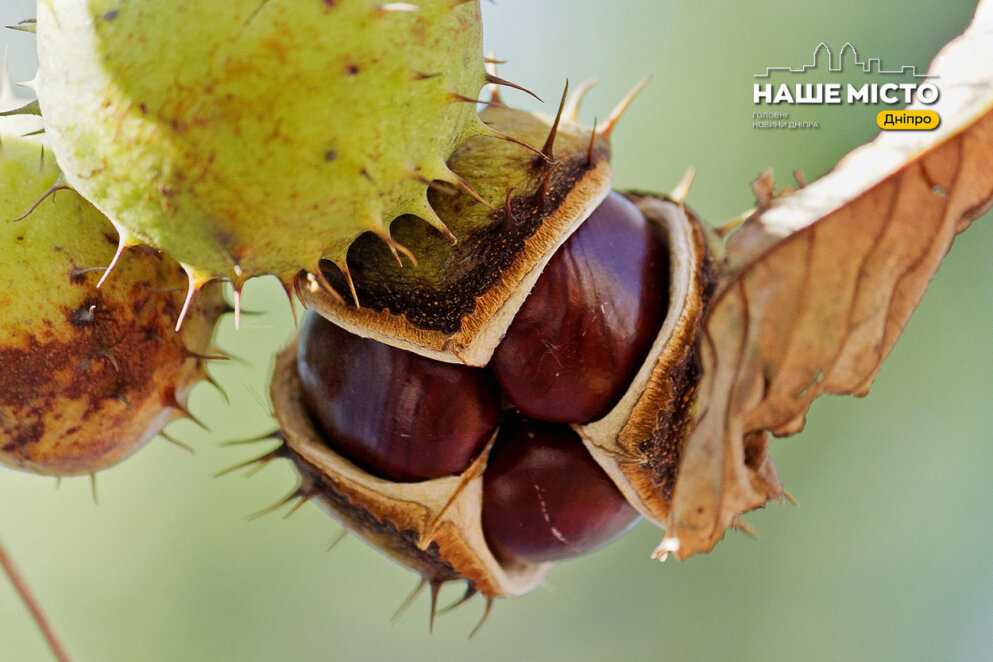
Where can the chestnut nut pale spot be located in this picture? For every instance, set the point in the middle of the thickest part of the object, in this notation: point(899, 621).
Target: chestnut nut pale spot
point(586, 327)
point(397, 414)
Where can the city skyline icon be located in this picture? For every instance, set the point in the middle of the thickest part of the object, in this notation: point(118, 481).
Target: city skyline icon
point(873, 65)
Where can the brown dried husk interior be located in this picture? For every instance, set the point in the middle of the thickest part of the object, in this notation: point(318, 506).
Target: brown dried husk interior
point(639, 442)
point(548, 200)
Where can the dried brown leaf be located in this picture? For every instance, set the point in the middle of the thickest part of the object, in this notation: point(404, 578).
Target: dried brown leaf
point(820, 285)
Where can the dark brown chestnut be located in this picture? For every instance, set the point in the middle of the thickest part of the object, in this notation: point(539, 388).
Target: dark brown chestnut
point(544, 497)
point(590, 320)
point(394, 413)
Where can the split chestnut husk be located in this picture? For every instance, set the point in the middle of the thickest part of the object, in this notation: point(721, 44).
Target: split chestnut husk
point(436, 526)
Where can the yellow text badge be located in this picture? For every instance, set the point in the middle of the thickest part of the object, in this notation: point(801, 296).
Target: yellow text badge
point(907, 120)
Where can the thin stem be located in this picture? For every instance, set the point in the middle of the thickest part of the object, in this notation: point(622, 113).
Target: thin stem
point(22, 589)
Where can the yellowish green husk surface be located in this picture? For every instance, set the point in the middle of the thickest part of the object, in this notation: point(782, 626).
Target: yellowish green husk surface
point(254, 137)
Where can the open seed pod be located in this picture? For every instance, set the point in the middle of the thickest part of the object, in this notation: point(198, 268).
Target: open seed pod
point(456, 301)
point(437, 526)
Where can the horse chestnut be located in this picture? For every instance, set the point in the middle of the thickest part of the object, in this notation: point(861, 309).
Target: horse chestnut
point(545, 499)
point(395, 413)
point(581, 304)
point(591, 318)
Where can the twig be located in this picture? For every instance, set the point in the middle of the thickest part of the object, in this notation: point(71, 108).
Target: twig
point(22, 589)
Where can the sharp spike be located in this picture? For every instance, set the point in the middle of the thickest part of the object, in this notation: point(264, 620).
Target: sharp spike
point(176, 442)
point(435, 587)
point(186, 414)
point(127, 403)
point(745, 528)
point(682, 190)
point(507, 208)
point(59, 185)
point(58, 482)
point(288, 286)
point(409, 600)
point(27, 25)
point(104, 352)
point(30, 108)
point(461, 97)
point(194, 285)
point(207, 377)
point(571, 111)
point(276, 506)
point(420, 75)
point(337, 540)
point(443, 187)
point(493, 133)
point(237, 308)
point(323, 281)
point(548, 149)
point(546, 181)
point(396, 255)
point(491, 59)
point(275, 434)
point(260, 461)
point(343, 265)
point(93, 487)
point(801, 181)
point(190, 354)
point(298, 288)
point(789, 497)
point(735, 222)
point(493, 79)
point(589, 150)
point(470, 591)
point(482, 620)
point(491, 70)
point(622, 106)
point(304, 498)
point(122, 245)
point(427, 213)
point(395, 246)
point(259, 467)
point(465, 187)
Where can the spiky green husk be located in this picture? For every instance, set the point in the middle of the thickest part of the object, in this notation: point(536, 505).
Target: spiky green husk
point(87, 375)
point(252, 137)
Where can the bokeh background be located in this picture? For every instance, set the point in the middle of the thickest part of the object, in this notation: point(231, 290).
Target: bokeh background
point(886, 557)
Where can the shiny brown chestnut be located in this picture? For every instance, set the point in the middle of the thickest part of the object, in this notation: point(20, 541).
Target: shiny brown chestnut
point(397, 414)
point(545, 499)
point(590, 320)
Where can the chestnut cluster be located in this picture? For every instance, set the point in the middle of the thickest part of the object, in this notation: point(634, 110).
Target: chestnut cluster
point(567, 358)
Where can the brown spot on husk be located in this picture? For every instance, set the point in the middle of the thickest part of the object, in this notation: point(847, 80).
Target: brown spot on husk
point(74, 397)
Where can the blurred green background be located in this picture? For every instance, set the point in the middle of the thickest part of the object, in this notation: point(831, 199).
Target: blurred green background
point(885, 558)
